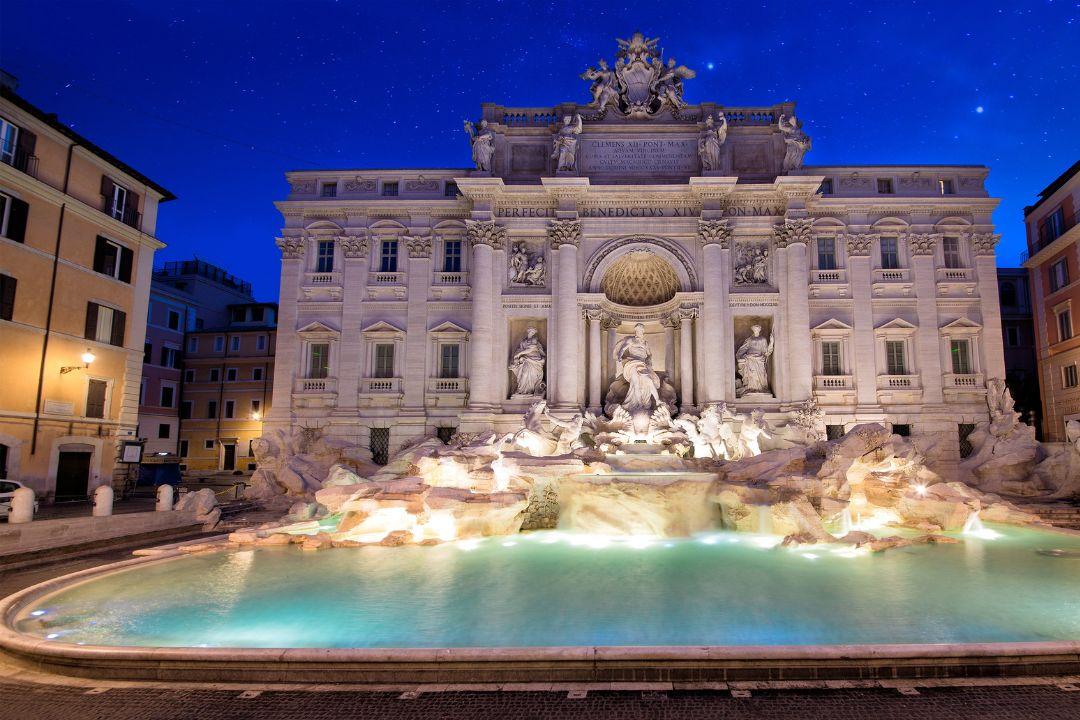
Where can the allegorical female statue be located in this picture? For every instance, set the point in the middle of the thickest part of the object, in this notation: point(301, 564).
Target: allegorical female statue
point(483, 145)
point(633, 361)
point(527, 366)
point(796, 142)
point(709, 141)
point(566, 141)
point(752, 359)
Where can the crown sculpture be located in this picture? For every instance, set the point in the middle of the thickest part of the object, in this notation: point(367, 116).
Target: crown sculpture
point(641, 85)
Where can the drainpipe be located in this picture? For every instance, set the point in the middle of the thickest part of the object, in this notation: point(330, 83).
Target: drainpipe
point(48, 312)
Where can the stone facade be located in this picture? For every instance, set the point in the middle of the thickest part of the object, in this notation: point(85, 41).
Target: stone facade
point(875, 287)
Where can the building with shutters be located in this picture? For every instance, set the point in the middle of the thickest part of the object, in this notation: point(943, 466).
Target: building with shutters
point(226, 388)
point(417, 302)
point(76, 258)
point(1053, 239)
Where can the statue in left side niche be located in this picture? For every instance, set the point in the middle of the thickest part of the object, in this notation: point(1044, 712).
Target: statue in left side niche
point(527, 366)
point(566, 142)
point(710, 139)
point(483, 145)
point(796, 142)
point(752, 359)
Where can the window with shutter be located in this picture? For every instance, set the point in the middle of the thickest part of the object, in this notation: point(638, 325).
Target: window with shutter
point(119, 319)
point(113, 259)
point(13, 215)
point(7, 297)
point(95, 398)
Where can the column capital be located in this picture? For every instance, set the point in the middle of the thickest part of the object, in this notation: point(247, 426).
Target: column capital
point(485, 232)
point(418, 243)
point(922, 243)
point(354, 246)
point(983, 243)
point(592, 314)
point(607, 322)
point(715, 232)
point(858, 244)
point(793, 232)
point(564, 232)
point(292, 248)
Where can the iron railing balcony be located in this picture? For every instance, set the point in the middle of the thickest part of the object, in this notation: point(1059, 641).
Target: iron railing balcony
point(127, 215)
point(19, 159)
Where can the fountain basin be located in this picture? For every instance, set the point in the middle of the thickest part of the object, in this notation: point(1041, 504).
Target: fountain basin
point(562, 607)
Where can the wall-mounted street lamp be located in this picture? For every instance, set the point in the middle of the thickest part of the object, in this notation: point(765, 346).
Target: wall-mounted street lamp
point(256, 415)
point(87, 358)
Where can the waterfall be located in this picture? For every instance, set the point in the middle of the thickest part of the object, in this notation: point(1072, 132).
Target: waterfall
point(846, 522)
point(973, 525)
point(764, 519)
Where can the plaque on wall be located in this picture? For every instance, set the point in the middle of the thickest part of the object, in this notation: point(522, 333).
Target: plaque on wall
point(655, 155)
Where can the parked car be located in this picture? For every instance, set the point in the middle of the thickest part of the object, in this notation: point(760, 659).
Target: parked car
point(7, 490)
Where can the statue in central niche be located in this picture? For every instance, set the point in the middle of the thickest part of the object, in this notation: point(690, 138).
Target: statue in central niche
point(641, 388)
point(752, 359)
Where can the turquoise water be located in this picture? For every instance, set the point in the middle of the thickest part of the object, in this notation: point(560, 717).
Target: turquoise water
point(550, 589)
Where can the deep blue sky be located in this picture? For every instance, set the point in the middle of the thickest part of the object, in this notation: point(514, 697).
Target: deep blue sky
point(215, 100)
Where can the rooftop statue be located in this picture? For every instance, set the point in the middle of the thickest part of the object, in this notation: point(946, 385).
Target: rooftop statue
point(642, 84)
point(710, 139)
point(483, 147)
point(566, 141)
point(796, 142)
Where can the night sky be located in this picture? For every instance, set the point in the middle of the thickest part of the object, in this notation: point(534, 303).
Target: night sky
point(216, 100)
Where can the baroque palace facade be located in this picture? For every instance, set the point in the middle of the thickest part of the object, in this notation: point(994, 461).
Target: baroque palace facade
point(416, 302)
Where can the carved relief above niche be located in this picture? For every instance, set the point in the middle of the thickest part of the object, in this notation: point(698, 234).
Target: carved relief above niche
point(527, 264)
point(751, 262)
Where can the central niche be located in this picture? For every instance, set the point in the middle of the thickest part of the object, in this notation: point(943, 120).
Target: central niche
point(640, 278)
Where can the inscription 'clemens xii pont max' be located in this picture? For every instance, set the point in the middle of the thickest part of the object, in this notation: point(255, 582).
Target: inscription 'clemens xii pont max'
point(639, 156)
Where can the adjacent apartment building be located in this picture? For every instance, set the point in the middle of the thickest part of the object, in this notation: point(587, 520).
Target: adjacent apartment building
point(185, 296)
point(1018, 338)
point(228, 380)
point(1053, 238)
point(76, 258)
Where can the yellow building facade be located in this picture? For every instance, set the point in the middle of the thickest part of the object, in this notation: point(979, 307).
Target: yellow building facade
point(76, 258)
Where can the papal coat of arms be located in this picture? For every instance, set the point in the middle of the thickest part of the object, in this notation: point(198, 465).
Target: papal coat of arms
point(641, 84)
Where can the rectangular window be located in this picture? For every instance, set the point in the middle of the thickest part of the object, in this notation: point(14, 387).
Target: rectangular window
point(238, 314)
point(113, 259)
point(95, 398)
point(328, 190)
point(105, 324)
point(1054, 225)
point(388, 252)
point(118, 202)
point(230, 375)
point(890, 253)
point(193, 345)
point(168, 394)
point(449, 358)
point(208, 444)
point(902, 430)
point(211, 409)
point(257, 314)
point(384, 360)
point(7, 297)
point(834, 432)
point(256, 373)
point(325, 257)
point(230, 408)
point(189, 376)
point(390, 189)
point(830, 358)
point(174, 320)
point(260, 343)
point(826, 187)
point(219, 343)
point(13, 215)
point(185, 411)
point(147, 353)
point(170, 357)
point(451, 189)
point(1065, 329)
point(234, 343)
point(884, 186)
point(960, 350)
point(950, 247)
point(215, 374)
point(319, 360)
point(256, 406)
point(9, 141)
point(163, 430)
point(183, 448)
point(1069, 376)
point(946, 187)
point(894, 357)
point(1059, 275)
point(452, 256)
point(826, 253)
point(380, 445)
point(1012, 336)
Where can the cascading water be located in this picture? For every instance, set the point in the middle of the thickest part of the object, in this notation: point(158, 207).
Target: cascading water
point(973, 525)
point(764, 520)
point(846, 523)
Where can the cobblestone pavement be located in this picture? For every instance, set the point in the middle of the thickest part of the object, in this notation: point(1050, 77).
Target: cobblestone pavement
point(46, 702)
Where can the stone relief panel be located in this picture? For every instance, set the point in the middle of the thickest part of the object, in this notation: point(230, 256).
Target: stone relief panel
point(751, 263)
point(526, 264)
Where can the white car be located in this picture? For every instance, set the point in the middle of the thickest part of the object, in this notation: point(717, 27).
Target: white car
point(7, 490)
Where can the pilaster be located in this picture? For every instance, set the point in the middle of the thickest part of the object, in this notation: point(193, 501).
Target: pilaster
point(982, 247)
point(484, 236)
point(354, 250)
point(794, 235)
point(287, 348)
point(418, 244)
point(715, 237)
point(859, 247)
point(921, 248)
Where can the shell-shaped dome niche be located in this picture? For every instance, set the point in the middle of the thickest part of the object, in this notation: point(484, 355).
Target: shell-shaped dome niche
point(640, 278)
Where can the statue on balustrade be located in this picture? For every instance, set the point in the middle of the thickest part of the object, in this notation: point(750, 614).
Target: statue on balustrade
point(709, 141)
point(527, 366)
point(752, 359)
point(483, 145)
point(566, 142)
point(796, 142)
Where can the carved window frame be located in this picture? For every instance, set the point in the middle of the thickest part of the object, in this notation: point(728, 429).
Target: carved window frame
point(318, 334)
point(379, 333)
point(900, 330)
point(833, 331)
point(448, 334)
point(962, 329)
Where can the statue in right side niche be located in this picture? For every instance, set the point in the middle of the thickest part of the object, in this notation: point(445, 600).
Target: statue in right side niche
point(752, 359)
point(527, 365)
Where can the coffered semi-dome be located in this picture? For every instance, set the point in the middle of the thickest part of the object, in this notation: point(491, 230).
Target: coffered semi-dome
point(640, 278)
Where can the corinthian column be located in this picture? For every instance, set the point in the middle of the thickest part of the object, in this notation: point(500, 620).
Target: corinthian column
point(982, 245)
point(287, 350)
point(794, 235)
point(715, 238)
point(686, 359)
point(595, 358)
point(565, 236)
point(484, 236)
point(354, 287)
point(418, 245)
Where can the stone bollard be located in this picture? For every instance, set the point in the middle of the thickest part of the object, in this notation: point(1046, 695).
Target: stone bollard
point(164, 498)
point(22, 506)
point(103, 501)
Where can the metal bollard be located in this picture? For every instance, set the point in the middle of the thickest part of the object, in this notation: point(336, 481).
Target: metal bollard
point(164, 498)
point(103, 501)
point(22, 506)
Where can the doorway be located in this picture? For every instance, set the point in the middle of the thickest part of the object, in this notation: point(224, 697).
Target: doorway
point(228, 461)
point(73, 475)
